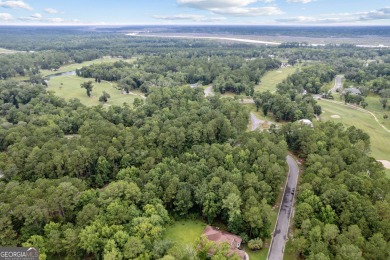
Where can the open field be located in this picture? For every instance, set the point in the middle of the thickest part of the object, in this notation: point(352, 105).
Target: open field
point(380, 139)
point(375, 106)
point(6, 51)
point(74, 66)
point(273, 78)
point(387, 171)
point(185, 232)
point(68, 87)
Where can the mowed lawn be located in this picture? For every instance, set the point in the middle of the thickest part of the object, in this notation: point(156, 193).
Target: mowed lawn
point(75, 66)
point(68, 87)
point(380, 139)
point(185, 232)
point(273, 78)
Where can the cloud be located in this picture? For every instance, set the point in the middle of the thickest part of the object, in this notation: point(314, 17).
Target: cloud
point(379, 14)
point(189, 17)
point(33, 17)
point(232, 7)
point(253, 11)
point(51, 11)
point(210, 4)
point(39, 18)
point(301, 1)
point(55, 20)
point(16, 4)
point(5, 17)
point(308, 19)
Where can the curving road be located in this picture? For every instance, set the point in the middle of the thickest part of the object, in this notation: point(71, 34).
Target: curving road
point(280, 233)
point(338, 84)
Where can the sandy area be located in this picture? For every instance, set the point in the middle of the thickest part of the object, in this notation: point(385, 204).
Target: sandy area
point(335, 116)
point(385, 163)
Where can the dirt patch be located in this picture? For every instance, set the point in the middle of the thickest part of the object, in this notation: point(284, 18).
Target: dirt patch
point(385, 163)
point(335, 116)
point(279, 71)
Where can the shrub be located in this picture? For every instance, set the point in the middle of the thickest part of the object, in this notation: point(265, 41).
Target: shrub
point(255, 244)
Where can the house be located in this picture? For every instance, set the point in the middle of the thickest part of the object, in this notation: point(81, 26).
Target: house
point(353, 91)
point(306, 122)
point(234, 241)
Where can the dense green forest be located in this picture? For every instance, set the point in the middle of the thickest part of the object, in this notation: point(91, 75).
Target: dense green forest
point(94, 179)
point(105, 182)
point(343, 209)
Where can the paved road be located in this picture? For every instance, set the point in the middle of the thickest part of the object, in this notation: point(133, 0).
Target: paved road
point(280, 234)
point(255, 122)
point(338, 84)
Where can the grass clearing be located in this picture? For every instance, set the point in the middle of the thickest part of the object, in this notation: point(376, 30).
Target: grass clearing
point(376, 107)
point(257, 255)
point(185, 232)
point(380, 139)
point(289, 253)
point(273, 78)
point(75, 66)
point(68, 87)
point(387, 171)
point(6, 51)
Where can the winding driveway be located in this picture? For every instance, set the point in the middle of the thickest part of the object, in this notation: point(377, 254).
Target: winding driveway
point(338, 84)
point(280, 234)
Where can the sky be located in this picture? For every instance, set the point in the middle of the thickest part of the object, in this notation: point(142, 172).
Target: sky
point(195, 12)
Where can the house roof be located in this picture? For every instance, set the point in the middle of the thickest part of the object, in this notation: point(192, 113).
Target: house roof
point(354, 91)
point(306, 122)
point(218, 236)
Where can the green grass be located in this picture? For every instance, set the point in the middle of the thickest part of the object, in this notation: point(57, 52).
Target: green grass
point(70, 89)
point(185, 232)
point(376, 107)
point(74, 66)
point(273, 78)
point(387, 171)
point(258, 255)
point(289, 253)
point(380, 139)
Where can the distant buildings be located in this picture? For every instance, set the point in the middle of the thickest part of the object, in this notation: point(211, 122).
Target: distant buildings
point(353, 91)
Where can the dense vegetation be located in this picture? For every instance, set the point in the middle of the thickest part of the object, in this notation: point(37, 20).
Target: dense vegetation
point(343, 204)
point(230, 73)
point(104, 182)
point(88, 181)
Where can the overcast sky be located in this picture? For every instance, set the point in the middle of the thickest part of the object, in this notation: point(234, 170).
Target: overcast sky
point(255, 12)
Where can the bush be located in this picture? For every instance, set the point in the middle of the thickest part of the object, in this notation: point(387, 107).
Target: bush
point(255, 244)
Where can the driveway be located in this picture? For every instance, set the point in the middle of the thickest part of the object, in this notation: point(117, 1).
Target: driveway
point(208, 92)
point(338, 84)
point(280, 233)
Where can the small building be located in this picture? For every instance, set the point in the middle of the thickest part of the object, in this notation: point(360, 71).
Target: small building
point(306, 122)
point(195, 85)
point(352, 91)
point(234, 241)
